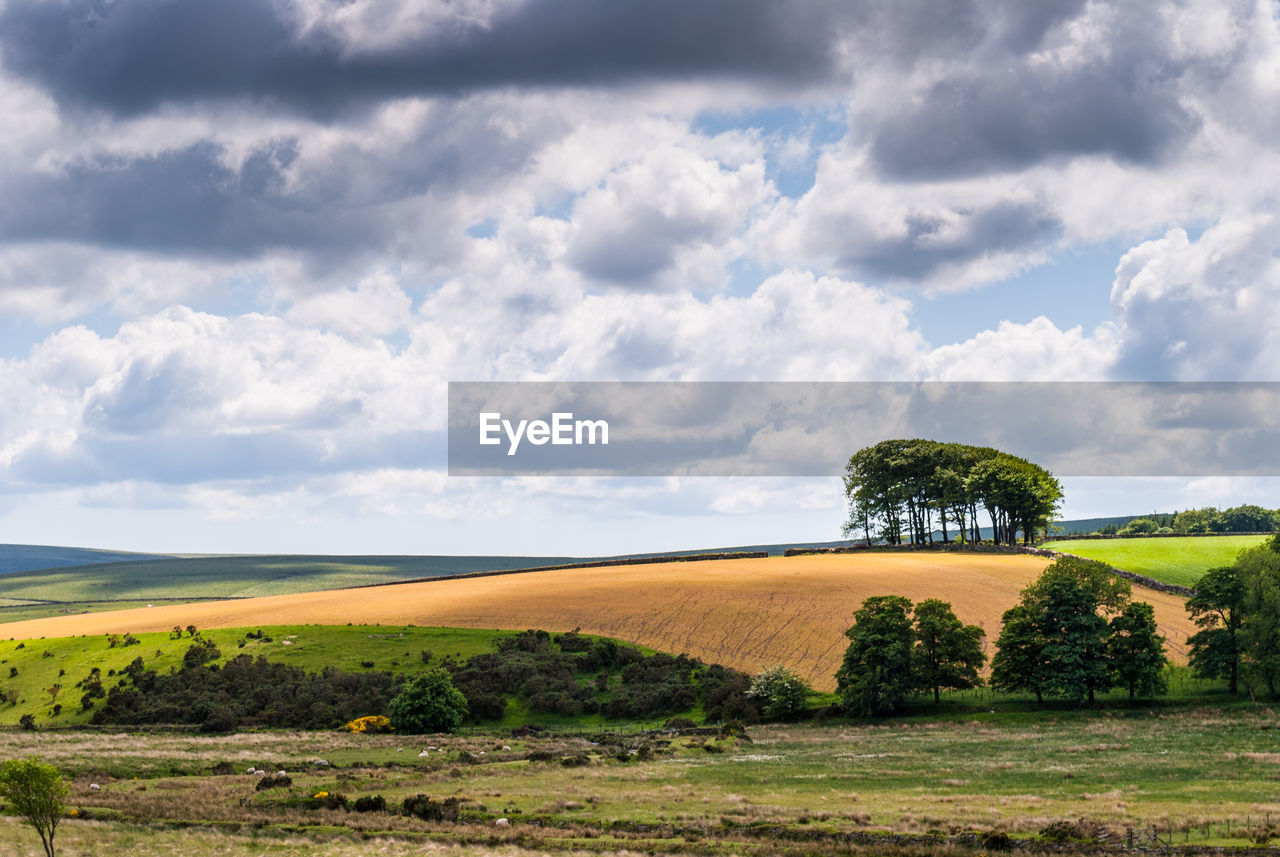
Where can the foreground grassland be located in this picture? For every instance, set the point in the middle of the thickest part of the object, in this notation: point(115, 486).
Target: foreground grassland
point(1203, 777)
point(744, 613)
point(1170, 560)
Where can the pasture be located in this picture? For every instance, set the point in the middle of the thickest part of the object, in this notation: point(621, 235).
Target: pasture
point(1202, 777)
point(1179, 560)
point(745, 614)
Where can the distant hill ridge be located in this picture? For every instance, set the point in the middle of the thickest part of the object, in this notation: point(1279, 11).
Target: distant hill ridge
point(36, 557)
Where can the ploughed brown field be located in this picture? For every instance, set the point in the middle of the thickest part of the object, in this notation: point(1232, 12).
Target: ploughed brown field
point(744, 613)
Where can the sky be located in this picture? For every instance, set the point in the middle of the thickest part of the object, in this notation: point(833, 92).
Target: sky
point(245, 244)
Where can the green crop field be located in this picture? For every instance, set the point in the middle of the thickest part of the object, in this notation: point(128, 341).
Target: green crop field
point(1171, 560)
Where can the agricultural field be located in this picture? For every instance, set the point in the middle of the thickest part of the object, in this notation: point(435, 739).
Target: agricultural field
point(745, 614)
point(1178, 560)
point(1198, 777)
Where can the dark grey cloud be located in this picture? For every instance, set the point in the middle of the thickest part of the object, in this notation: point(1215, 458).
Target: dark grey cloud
point(1011, 120)
point(190, 201)
point(131, 57)
point(932, 242)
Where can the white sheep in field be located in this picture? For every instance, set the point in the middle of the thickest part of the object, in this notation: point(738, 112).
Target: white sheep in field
point(424, 754)
point(502, 822)
point(94, 787)
point(281, 774)
point(251, 770)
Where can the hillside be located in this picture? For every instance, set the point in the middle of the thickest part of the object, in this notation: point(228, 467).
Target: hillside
point(19, 558)
point(1172, 559)
point(742, 613)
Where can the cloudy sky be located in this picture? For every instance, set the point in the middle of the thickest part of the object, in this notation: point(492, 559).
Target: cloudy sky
point(244, 244)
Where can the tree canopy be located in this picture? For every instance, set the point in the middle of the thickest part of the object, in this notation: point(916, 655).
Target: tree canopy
point(897, 487)
point(1068, 634)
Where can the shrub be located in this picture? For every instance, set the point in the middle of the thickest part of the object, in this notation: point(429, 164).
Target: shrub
point(27, 722)
point(370, 803)
point(273, 781)
point(423, 807)
point(374, 724)
point(779, 692)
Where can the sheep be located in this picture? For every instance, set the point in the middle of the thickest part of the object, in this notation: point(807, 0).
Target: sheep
point(507, 747)
point(281, 774)
point(424, 754)
point(502, 822)
point(94, 787)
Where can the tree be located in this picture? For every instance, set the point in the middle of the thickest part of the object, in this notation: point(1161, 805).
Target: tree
point(1259, 634)
point(1216, 606)
point(875, 676)
point(35, 791)
point(428, 703)
point(1136, 651)
point(1019, 663)
point(1055, 641)
point(946, 653)
point(780, 693)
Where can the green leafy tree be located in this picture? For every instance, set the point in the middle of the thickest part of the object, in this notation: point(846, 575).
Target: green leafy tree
point(875, 676)
point(1259, 634)
point(37, 792)
point(1136, 651)
point(1019, 663)
point(780, 693)
point(428, 703)
point(1216, 606)
point(1055, 642)
point(946, 653)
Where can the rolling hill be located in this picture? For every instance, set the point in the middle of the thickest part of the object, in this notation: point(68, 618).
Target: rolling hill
point(744, 613)
point(18, 558)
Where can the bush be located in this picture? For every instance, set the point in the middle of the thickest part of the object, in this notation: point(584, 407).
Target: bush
point(370, 803)
point(428, 703)
point(373, 724)
point(273, 781)
point(27, 722)
point(779, 692)
point(423, 807)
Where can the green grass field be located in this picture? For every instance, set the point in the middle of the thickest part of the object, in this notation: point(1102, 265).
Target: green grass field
point(312, 647)
point(1171, 560)
point(1201, 777)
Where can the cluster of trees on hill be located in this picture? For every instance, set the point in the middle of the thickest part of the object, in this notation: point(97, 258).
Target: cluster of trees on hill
point(897, 489)
point(1238, 519)
point(568, 674)
point(1237, 609)
point(1074, 633)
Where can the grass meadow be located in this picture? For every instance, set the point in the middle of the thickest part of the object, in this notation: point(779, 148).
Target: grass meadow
point(1199, 776)
point(1169, 560)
